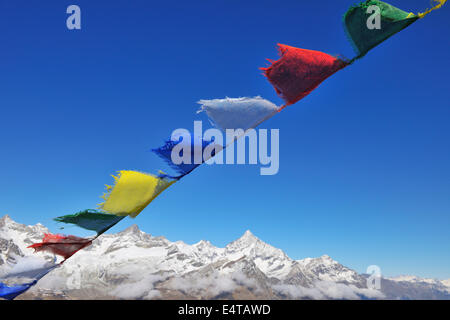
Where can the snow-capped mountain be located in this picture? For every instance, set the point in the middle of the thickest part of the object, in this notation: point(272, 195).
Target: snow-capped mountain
point(440, 285)
point(134, 265)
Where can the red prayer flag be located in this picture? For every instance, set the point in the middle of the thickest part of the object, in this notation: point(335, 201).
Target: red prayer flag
point(300, 71)
point(65, 246)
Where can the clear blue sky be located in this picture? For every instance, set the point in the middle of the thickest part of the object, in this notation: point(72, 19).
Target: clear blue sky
point(364, 160)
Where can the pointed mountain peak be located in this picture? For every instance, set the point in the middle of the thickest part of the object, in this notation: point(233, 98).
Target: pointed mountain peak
point(6, 218)
point(133, 229)
point(203, 243)
point(248, 239)
point(248, 235)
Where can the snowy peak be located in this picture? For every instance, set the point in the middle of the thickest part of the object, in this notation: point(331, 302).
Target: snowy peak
point(248, 241)
point(4, 220)
point(414, 279)
point(203, 244)
point(248, 236)
point(327, 269)
point(245, 241)
point(7, 222)
point(270, 260)
point(9, 229)
point(133, 234)
point(418, 280)
point(14, 240)
point(131, 230)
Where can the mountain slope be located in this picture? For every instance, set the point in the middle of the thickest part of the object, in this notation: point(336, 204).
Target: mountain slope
point(134, 265)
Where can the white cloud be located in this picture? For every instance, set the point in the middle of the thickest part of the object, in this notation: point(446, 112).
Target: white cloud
point(143, 289)
point(328, 290)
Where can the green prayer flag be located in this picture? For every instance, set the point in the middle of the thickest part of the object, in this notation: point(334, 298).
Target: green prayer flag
point(91, 220)
point(371, 22)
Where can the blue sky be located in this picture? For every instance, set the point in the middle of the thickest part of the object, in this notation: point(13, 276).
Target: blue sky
point(364, 160)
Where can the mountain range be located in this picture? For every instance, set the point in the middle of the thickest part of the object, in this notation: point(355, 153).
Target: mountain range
point(134, 265)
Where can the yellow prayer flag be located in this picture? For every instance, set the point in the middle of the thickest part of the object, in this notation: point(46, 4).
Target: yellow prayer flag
point(132, 192)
